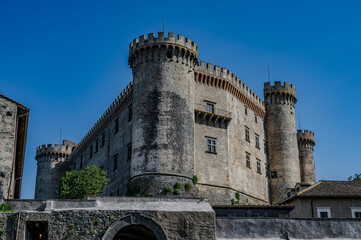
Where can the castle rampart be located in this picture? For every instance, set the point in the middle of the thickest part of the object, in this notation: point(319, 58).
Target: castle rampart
point(306, 142)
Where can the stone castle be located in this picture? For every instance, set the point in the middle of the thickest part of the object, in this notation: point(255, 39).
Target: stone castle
point(181, 119)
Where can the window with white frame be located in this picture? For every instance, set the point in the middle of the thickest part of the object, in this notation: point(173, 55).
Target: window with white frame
point(247, 133)
point(256, 137)
point(259, 166)
point(211, 145)
point(248, 160)
point(210, 107)
point(356, 212)
point(324, 212)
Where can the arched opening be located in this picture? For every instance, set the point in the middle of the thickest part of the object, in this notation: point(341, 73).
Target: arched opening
point(135, 232)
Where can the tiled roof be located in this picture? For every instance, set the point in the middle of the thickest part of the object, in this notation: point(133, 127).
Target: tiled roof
point(323, 188)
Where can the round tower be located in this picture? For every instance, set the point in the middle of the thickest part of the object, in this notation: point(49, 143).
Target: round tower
point(280, 103)
point(163, 111)
point(306, 142)
point(51, 167)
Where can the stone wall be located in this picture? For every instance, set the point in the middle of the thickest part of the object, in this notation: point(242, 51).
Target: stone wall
point(8, 119)
point(259, 228)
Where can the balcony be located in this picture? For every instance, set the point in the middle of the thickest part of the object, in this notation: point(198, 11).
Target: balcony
point(207, 114)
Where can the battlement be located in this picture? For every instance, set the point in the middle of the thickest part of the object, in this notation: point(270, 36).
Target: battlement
point(66, 148)
point(224, 73)
point(305, 135)
point(161, 39)
point(279, 88)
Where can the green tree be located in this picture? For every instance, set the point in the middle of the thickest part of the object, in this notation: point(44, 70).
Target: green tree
point(357, 177)
point(89, 182)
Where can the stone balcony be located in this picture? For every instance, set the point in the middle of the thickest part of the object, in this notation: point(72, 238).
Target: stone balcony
point(211, 116)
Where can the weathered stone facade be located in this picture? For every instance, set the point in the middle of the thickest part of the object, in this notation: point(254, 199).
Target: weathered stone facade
point(13, 130)
point(306, 142)
point(181, 118)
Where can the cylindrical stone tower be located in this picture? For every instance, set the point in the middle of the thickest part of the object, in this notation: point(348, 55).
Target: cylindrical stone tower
point(163, 111)
point(51, 167)
point(280, 103)
point(306, 142)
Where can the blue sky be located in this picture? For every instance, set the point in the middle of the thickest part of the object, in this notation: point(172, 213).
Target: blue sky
point(67, 61)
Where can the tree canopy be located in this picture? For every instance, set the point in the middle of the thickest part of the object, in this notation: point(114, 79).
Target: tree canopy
point(89, 182)
point(357, 177)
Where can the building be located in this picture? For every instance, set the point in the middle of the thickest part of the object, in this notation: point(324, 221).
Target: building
point(14, 119)
point(326, 199)
point(181, 119)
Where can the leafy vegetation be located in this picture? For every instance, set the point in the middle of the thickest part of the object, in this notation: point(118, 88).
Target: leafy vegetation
point(357, 177)
point(89, 182)
point(168, 190)
point(195, 179)
point(238, 198)
point(178, 185)
point(177, 191)
point(187, 187)
point(4, 207)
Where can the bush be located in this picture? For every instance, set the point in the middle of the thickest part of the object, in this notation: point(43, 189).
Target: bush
point(148, 195)
point(89, 182)
point(238, 197)
point(169, 190)
point(177, 191)
point(187, 187)
point(178, 185)
point(195, 179)
point(5, 208)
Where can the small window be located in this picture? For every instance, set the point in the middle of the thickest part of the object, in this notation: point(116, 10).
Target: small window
point(116, 125)
point(103, 139)
point(324, 212)
point(323, 215)
point(247, 133)
point(210, 107)
point(129, 152)
point(90, 151)
point(357, 214)
point(130, 113)
point(115, 162)
point(245, 110)
point(257, 140)
point(248, 160)
point(267, 171)
point(259, 166)
point(274, 174)
point(96, 145)
point(211, 145)
point(255, 118)
point(36, 230)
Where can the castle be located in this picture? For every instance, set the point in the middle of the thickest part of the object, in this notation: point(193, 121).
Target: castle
point(181, 119)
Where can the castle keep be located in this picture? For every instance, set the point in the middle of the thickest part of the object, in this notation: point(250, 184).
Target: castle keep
point(179, 118)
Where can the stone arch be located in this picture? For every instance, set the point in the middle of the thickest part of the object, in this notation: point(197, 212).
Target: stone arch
point(135, 220)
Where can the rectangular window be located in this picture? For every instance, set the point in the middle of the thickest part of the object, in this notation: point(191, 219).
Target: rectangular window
point(323, 215)
point(259, 166)
point(116, 125)
point(247, 133)
point(256, 137)
point(129, 152)
point(324, 212)
point(357, 214)
point(96, 145)
point(267, 171)
point(245, 110)
point(255, 118)
point(265, 147)
point(209, 107)
point(211, 145)
point(130, 113)
point(248, 160)
point(90, 151)
point(274, 174)
point(115, 162)
point(103, 139)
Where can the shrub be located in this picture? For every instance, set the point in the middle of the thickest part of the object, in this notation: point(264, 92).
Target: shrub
point(169, 190)
point(178, 185)
point(89, 182)
point(195, 179)
point(238, 197)
point(4, 207)
point(187, 187)
point(148, 195)
point(177, 191)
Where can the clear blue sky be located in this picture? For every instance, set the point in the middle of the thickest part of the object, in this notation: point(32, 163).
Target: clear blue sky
point(67, 61)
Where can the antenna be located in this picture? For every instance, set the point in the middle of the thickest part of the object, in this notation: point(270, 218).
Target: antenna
point(299, 121)
point(269, 75)
point(61, 130)
point(163, 21)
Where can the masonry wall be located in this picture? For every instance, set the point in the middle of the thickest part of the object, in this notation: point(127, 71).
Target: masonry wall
point(8, 121)
point(222, 174)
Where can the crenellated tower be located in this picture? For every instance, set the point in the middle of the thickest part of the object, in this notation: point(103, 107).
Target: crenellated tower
point(306, 142)
point(51, 167)
point(163, 110)
point(280, 103)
